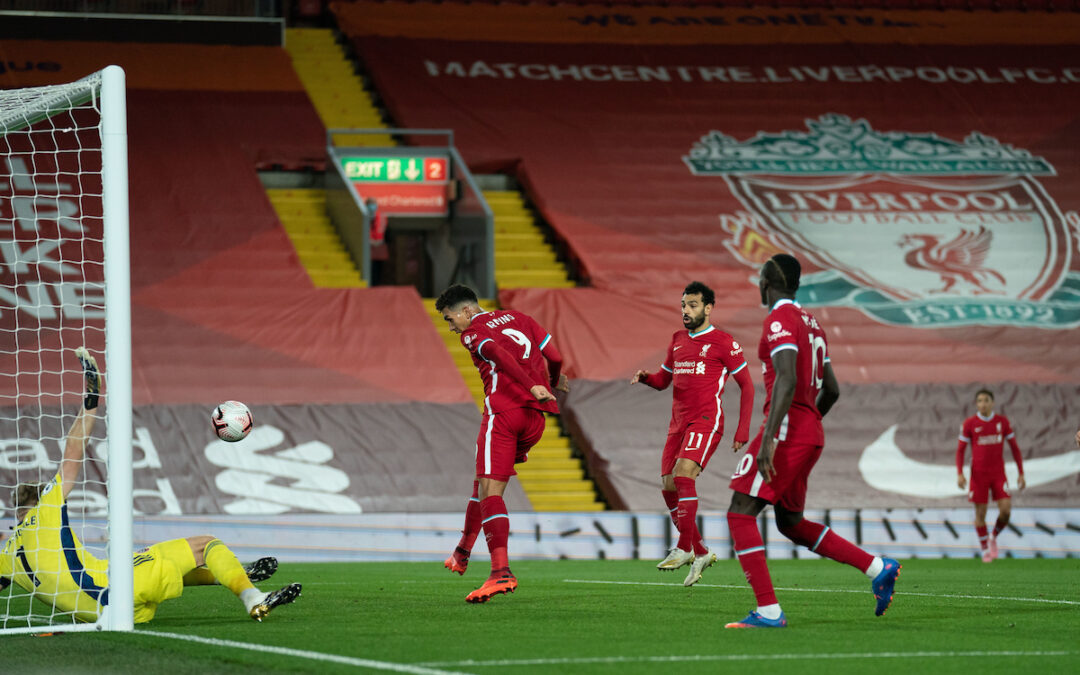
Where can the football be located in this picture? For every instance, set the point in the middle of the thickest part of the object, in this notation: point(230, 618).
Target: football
point(232, 421)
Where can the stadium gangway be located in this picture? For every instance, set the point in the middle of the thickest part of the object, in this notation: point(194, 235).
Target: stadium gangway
point(425, 190)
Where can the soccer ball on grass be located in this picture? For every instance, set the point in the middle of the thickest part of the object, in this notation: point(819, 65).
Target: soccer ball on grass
point(232, 421)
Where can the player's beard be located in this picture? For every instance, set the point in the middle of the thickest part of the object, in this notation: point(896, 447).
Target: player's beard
point(694, 323)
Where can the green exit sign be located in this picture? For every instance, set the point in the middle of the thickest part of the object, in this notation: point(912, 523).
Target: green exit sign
point(395, 169)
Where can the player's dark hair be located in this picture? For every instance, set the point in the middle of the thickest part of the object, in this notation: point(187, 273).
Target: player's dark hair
point(698, 288)
point(455, 295)
point(26, 495)
point(784, 271)
point(984, 391)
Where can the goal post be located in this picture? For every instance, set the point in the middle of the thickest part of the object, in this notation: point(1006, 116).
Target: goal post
point(65, 283)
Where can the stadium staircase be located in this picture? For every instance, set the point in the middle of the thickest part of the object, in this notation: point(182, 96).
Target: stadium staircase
point(553, 479)
point(523, 257)
point(302, 213)
point(336, 91)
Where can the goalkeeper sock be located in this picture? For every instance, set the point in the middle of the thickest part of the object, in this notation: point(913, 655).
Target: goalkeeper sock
point(200, 576)
point(226, 568)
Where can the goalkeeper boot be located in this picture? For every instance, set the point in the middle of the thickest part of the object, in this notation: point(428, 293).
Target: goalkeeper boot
point(675, 559)
point(458, 561)
point(755, 620)
point(282, 596)
point(496, 584)
point(261, 570)
point(883, 585)
point(698, 566)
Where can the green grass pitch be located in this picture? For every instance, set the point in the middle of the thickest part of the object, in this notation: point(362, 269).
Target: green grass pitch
point(948, 616)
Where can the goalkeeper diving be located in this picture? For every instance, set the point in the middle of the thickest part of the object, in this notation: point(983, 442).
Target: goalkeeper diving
point(45, 558)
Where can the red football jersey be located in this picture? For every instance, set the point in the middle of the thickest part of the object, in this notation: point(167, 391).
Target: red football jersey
point(520, 336)
point(987, 438)
point(789, 326)
point(700, 365)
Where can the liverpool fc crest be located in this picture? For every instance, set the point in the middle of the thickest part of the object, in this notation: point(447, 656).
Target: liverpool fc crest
point(911, 229)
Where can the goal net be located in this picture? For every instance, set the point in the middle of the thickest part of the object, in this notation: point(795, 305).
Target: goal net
point(64, 283)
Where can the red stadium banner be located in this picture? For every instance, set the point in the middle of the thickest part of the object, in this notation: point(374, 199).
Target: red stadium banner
point(702, 24)
point(924, 166)
point(165, 67)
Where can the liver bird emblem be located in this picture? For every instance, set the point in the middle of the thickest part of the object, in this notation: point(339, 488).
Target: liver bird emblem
point(962, 258)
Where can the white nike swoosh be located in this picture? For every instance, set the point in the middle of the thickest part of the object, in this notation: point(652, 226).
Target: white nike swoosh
point(675, 349)
point(885, 467)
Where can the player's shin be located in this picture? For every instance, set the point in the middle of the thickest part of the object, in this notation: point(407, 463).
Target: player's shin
point(223, 564)
point(822, 540)
point(671, 498)
point(689, 538)
point(497, 531)
point(472, 520)
point(750, 549)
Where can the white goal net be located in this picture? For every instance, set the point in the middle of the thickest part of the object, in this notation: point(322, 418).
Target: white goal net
point(64, 284)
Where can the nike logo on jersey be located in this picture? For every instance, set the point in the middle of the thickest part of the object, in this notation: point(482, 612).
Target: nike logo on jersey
point(676, 348)
point(885, 467)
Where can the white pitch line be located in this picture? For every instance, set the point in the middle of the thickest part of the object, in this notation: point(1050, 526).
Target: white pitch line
point(741, 657)
point(828, 590)
point(416, 669)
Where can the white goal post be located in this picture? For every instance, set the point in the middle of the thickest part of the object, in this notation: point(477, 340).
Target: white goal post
point(65, 283)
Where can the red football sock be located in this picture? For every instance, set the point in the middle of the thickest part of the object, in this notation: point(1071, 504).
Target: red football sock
point(823, 541)
point(689, 537)
point(999, 526)
point(472, 519)
point(671, 498)
point(497, 531)
point(981, 531)
point(750, 549)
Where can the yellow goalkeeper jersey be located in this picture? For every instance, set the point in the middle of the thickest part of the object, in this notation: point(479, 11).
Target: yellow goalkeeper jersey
point(44, 557)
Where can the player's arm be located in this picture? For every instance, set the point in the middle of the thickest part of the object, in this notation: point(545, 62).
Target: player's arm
point(555, 361)
point(504, 361)
point(658, 380)
point(746, 405)
point(661, 378)
point(961, 448)
point(830, 391)
point(783, 393)
point(1018, 458)
point(79, 433)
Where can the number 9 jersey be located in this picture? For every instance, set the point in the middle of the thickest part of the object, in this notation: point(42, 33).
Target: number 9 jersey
point(524, 341)
point(789, 326)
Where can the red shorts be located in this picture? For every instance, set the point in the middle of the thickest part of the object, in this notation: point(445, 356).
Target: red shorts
point(793, 462)
point(696, 443)
point(505, 439)
point(996, 485)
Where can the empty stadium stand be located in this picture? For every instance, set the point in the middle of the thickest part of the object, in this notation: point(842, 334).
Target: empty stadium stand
point(665, 143)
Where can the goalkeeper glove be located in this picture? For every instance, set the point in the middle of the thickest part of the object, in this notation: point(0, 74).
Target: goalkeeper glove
point(93, 378)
